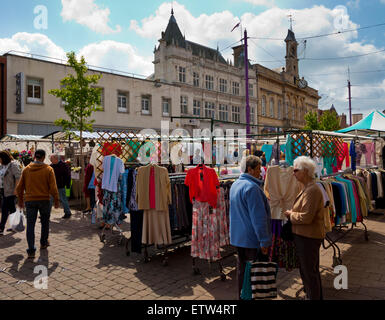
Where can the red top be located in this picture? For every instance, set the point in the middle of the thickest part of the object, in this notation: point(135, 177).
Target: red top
point(152, 188)
point(205, 189)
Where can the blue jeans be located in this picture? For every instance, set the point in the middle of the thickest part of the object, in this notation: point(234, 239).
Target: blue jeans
point(32, 207)
point(64, 201)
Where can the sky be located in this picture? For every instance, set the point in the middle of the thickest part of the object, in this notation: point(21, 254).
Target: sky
point(121, 35)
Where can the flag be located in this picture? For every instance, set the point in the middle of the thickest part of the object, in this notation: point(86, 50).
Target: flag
point(236, 26)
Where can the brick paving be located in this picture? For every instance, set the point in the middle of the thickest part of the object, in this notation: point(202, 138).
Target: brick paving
point(80, 267)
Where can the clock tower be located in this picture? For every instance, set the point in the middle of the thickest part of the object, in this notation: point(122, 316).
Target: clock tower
point(291, 56)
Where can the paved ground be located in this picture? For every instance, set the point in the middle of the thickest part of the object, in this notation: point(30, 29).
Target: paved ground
point(81, 267)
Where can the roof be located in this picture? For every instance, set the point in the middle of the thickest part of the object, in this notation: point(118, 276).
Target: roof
point(173, 36)
point(290, 36)
point(374, 122)
point(19, 137)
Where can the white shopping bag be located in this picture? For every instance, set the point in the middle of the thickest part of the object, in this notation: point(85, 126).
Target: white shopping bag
point(17, 220)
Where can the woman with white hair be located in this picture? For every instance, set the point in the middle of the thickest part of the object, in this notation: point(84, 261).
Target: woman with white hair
point(307, 218)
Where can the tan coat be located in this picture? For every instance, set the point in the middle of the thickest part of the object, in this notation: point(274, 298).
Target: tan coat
point(308, 213)
point(162, 188)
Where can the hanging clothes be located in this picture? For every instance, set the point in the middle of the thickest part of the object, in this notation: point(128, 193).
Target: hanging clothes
point(289, 155)
point(202, 182)
point(112, 168)
point(268, 150)
point(281, 188)
point(344, 155)
point(153, 195)
point(353, 155)
point(370, 155)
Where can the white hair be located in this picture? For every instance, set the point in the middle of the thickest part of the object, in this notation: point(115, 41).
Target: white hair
point(307, 163)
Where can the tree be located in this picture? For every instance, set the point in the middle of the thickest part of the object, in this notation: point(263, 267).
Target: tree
point(311, 119)
point(80, 99)
point(329, 121)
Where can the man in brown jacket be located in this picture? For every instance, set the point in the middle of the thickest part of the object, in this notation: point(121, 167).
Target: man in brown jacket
point(38, 182)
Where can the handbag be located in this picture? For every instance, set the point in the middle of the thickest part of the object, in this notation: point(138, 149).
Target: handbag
point(263, 277)
point(287, 232)
point(17, 220)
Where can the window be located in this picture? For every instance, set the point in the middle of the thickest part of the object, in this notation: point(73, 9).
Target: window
point(101, 103)
point(235, 114)
point(146, 104)
point(35, 92)
point(122, 102)
point(263, 112)
point(236, 88)
point(196, 79)
point(252, 115)
point(197, 108)
point(183, 105)
point(182, 74)
point(293, 114)
point(209, 82)
point(222, 85)
point(210, 110)
point(166, 107)
point(279, 109)
point(287, 110)
point(251, 90)
point(223, 112)
point(272, 107)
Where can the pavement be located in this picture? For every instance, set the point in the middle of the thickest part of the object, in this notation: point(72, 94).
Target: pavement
point(81, 267)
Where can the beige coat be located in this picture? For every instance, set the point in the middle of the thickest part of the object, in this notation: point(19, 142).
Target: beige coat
point(162, 188)
point(281, 188)
point(308, 213)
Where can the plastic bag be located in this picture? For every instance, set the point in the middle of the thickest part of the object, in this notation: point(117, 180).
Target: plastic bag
point(17, 220)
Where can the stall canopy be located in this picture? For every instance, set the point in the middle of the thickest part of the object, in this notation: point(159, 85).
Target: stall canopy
point(374, 122)
point(18, 137)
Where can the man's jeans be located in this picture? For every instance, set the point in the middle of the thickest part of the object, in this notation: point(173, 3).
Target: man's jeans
point(32, 207)
point(64, 201)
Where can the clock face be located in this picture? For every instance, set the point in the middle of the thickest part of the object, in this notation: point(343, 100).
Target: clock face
point(302, 83)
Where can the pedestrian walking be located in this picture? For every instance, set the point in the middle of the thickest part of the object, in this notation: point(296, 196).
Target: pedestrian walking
point(307, 219)
point(250, 218)
point(39, 183)
point(10, 172)
point(63, 180)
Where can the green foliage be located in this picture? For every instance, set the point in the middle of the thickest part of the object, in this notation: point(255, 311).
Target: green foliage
point(80, 99)
point(329, 121)
point(312, 123)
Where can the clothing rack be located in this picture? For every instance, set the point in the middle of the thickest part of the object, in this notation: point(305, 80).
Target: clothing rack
point(339, 229)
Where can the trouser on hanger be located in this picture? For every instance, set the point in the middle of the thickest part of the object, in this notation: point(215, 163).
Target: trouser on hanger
point(136, 222)
point(308, 251)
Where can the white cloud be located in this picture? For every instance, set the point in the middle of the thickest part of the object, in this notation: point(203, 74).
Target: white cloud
point(212, 30)
point(354, 3)
point(117, 56)
point(382, 1)
point(89, 14)
point(35, 43)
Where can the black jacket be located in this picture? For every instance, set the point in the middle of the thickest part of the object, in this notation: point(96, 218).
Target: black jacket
point(62, 174)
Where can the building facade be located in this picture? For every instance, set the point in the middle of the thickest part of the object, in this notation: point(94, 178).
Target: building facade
point(192, 87)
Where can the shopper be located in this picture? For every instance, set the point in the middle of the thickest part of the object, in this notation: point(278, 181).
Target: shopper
point(63, 180)
point(89, 188)
point(10, 172)
point(38, 182)
point(307, 218)
point(250, 218)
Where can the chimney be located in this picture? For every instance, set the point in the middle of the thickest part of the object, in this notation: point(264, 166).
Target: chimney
point(238, 54)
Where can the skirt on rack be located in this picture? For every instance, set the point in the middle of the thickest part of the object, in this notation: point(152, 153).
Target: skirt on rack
point(156, 227)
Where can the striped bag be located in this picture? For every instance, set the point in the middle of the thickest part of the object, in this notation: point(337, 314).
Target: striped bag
point(263, 280)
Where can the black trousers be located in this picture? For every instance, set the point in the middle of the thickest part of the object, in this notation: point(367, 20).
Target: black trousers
point(32, 208)
point(244, 255)
point(308, 251)
point(7, 207)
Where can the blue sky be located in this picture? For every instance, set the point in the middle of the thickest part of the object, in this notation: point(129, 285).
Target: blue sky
point(121, 35)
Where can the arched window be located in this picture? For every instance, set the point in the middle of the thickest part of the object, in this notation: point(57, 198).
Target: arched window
point(287, 110)
point(263, 106)
point(272, 107)
point(279, 109)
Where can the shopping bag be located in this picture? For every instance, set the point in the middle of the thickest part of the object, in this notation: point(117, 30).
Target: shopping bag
point(17, 220)
point(263, 277)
